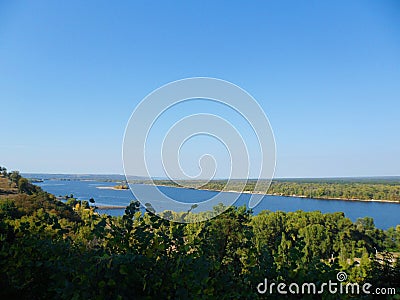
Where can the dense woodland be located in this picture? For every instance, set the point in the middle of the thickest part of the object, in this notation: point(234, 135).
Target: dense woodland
point(55, 250)
point(351, 189)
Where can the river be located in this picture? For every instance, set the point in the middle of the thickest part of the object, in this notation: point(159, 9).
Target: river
point(385, 215)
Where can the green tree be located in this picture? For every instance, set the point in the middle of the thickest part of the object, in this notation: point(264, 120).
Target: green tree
point(15, 177)
point(23, 186)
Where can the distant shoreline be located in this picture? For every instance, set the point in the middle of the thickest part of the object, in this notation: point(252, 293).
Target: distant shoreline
point(292, 196)
point(110, 188)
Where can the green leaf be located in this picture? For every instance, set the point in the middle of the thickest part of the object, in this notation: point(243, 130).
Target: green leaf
point(123, 270)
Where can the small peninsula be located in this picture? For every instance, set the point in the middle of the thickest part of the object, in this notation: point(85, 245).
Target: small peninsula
point(119, 187)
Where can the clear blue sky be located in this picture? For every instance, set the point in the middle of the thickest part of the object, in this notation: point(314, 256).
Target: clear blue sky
point(327, 74)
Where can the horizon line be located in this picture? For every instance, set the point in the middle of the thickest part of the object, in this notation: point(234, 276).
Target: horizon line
point(165, 178)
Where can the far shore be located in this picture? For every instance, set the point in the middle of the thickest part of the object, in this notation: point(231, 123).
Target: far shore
point(292, 196)
point(110, 188)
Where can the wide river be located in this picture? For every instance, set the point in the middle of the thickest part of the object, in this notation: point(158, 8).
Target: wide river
point(385, 215)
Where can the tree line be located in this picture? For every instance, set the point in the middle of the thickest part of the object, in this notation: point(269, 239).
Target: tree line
point(346, 189)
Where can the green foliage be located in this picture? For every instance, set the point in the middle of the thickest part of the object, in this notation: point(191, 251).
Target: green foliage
point(50, 249)
point(313, 188)
point(339, 190)
point(14, 176)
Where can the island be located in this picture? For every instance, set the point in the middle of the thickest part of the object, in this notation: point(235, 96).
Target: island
point(119, 187)
point(374, 189)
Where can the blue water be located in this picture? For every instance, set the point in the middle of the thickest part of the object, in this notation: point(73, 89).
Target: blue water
point(385, 215)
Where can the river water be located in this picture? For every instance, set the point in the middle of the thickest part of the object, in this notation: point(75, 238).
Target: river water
point(385, 215)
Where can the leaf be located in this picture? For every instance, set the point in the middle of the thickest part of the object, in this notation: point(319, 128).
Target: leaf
point(123, 270)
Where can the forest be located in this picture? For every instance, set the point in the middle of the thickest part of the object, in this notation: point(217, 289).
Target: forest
point(347, 189)
point(51, 249)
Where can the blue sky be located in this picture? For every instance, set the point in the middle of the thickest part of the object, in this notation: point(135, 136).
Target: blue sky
point(327, 74)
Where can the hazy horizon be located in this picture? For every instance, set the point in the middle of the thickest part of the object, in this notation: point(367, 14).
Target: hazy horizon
point(165, 178)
